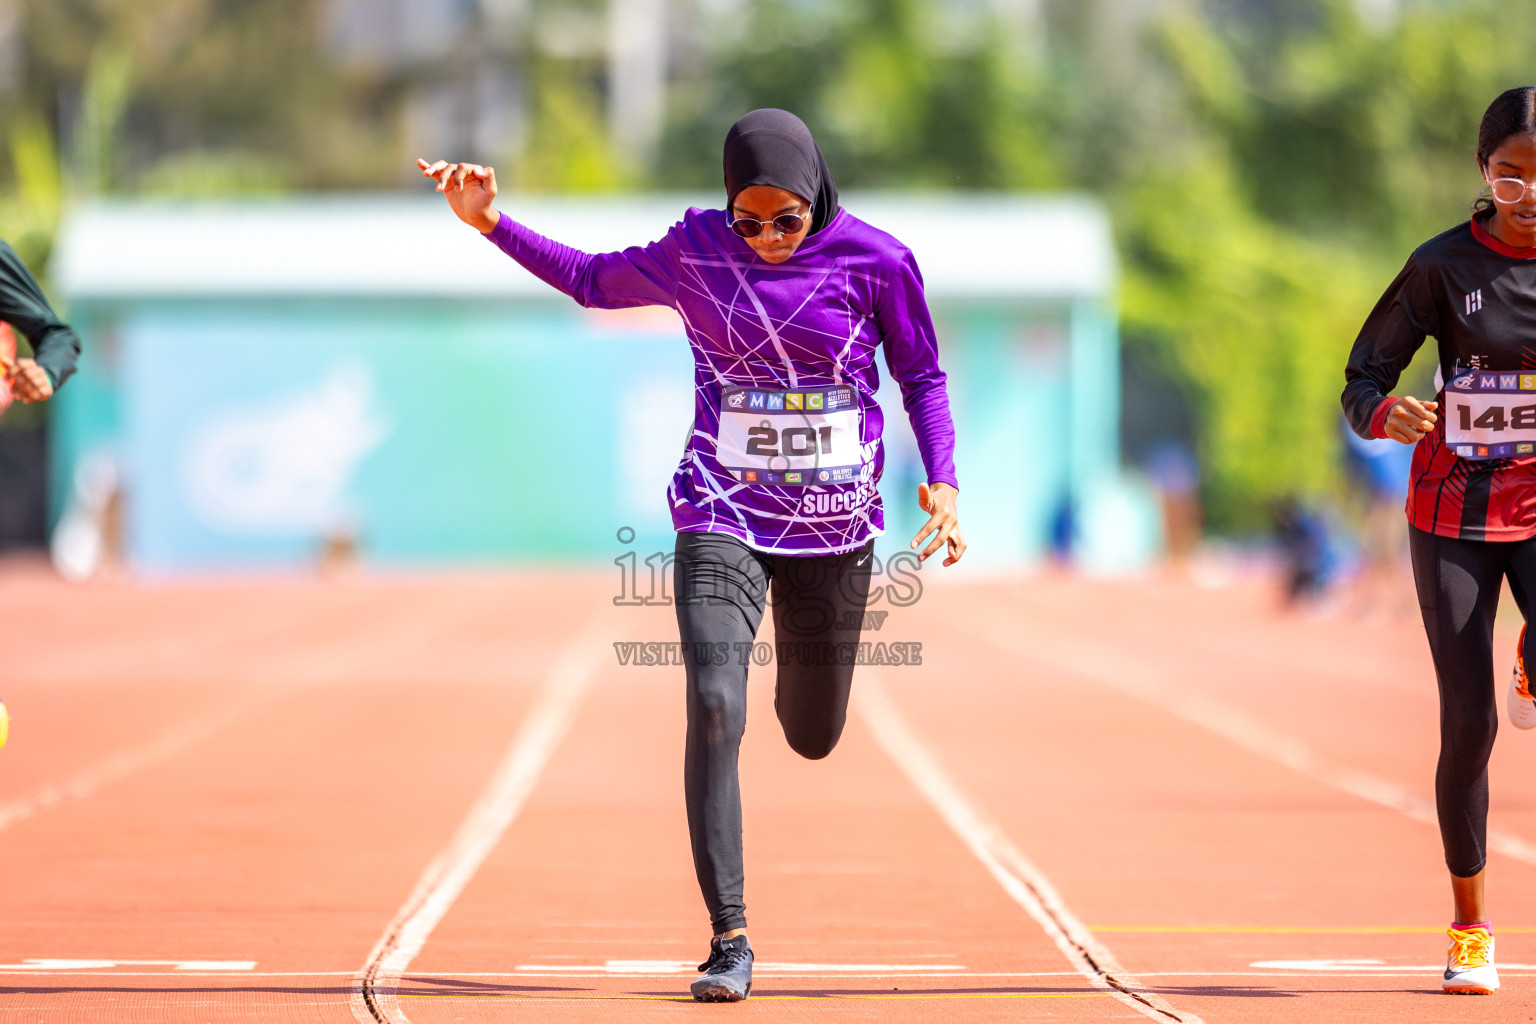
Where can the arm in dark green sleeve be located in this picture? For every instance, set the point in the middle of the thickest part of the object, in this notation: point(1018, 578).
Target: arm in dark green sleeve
point(23, 306)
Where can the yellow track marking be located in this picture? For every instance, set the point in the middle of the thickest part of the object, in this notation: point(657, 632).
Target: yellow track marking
point(1218, 929)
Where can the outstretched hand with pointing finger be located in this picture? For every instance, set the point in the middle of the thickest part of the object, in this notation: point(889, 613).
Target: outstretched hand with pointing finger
point(470, 190)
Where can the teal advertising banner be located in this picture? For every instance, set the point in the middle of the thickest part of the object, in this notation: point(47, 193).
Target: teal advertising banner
point(255, 434)
point(425, 434)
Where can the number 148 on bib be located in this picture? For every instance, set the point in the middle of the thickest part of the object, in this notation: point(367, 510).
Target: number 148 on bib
point(1491, 415)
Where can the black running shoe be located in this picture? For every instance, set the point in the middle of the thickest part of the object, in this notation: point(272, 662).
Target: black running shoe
point(727, 972)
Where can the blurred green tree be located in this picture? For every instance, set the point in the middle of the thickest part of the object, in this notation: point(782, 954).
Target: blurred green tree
point(134, 88)
point(901, 93)
point(1312, 157)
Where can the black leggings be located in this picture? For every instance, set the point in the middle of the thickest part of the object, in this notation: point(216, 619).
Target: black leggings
point(1458, 583)
point(818, 606)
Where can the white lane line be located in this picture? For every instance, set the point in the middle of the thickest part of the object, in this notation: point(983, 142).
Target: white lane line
point(182, 974)
point(56, 964)
point(1390, 971)
point(778, 976)
point(163, 748)
point(659, 967)
point(1149, 684)
point(1006, 863)
point(375, 996)
point(1363, 965)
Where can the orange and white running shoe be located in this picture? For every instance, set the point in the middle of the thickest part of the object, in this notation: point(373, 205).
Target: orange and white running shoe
point(1469, 969)
point(1522, 707)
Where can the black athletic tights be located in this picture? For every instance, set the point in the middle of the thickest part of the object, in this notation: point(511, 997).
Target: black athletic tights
point(720, 585)
point(1458, 583)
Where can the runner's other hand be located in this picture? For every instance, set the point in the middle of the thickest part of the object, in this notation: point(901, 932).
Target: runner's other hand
point(29, 382)
point(938, 500)
point(1410, 419)
point(470, 190)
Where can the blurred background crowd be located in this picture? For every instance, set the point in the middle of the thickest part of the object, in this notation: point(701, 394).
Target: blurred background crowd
point(1265, 166)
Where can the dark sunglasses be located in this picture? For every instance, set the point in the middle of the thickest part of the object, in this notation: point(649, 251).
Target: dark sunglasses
point(786, 223)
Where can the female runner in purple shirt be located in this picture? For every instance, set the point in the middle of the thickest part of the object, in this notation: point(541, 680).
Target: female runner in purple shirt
point(785, 298)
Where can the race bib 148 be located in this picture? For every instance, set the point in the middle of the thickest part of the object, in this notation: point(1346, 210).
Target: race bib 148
point(1490, 415)
point(790, 438)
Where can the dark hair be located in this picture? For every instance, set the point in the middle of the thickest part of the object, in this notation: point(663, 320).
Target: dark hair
point(1511, 113)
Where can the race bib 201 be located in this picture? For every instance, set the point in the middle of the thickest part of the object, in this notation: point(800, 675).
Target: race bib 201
point(1491, 415)
point(790, 438)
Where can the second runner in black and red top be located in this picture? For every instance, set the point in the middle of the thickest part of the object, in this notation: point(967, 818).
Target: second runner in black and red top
point(1476, 297)
point(1472, 490)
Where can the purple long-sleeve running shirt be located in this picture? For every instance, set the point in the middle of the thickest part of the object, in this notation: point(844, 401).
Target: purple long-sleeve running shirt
point(785, 450)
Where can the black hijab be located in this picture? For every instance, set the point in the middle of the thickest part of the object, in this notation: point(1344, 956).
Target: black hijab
point(774, 147)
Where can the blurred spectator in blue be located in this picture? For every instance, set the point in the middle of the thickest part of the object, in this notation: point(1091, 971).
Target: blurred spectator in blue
point(1378, 469)
point(1063, 529)
point(1307, 549)
point(1175, 474)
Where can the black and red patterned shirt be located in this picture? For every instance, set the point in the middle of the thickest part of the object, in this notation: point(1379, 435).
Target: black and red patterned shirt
point(1476, 297)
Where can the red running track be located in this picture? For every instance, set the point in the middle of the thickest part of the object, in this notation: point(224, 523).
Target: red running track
point(222, 802)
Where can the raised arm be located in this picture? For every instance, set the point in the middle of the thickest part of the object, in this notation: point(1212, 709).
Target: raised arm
point(638, 276)
point(912, 355)
point(1402, 319)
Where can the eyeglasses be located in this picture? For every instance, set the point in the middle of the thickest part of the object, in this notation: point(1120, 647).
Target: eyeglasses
point(786, 223)
point(1509, 190)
